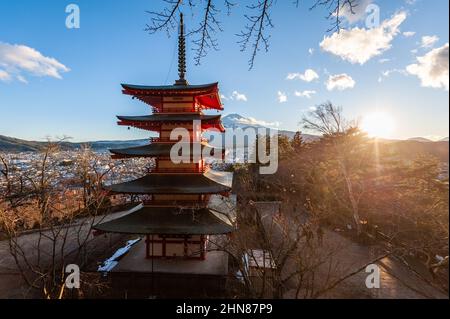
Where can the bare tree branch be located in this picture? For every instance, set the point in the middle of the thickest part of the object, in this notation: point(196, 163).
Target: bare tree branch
point(255, 29)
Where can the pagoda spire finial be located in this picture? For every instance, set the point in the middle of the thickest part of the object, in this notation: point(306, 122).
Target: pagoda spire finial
point(181, 54)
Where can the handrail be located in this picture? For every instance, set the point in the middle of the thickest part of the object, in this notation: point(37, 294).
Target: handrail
point(168, 140)
point(180, 170)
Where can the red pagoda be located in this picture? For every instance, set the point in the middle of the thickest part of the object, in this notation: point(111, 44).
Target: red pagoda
point(175, 217)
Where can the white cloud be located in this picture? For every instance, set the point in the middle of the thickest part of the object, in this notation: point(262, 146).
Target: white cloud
point(308, 94)
point(311, 51)
point(359, 45)
point(432, 68)
point(409, 34)
point(383, 60)
point(355, 14)
point(238, 96)
point(252, 121)
point(21, 60)
point(429, 40)
point(235, 96)
point(282, 97)
point(4, 76)
point(340, 82)
point(308, 76)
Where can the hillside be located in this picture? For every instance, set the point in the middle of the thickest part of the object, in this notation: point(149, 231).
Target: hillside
point(11, 144)
point(410, 149)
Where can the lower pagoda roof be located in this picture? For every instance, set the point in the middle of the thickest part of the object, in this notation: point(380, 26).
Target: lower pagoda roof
point(161, 150)
point(143, 220)
point(210, 182)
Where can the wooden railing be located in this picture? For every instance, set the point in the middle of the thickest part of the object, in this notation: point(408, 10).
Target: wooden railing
point(176, 110)
point(178, 203)
point(168, 140)
point(198, 170)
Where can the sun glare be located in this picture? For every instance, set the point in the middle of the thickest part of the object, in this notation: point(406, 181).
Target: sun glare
point(378, 125)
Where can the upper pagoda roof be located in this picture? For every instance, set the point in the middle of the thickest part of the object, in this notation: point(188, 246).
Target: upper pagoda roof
point(184, 89)
point(143, 220)
point(159, 149)
point(210, 182)
point(206, 95)
point(188, 117)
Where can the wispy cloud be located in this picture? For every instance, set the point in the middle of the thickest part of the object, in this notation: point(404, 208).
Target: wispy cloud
point(4, 76)
point(432, 68)
point(428, 41)
point(308, 76)
point(282, 97)
point(408, 34)
point(307, 93)
point(388, 73)
point(252, 121)
point(359, 45)
point(340, 82)
point(19, 61)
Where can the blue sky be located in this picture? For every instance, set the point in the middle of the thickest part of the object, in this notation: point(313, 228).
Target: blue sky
point(56, 81)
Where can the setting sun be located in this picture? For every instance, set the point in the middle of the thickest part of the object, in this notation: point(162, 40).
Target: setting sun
point(378, 125)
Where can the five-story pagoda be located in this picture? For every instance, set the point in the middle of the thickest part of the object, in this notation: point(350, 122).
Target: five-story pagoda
point(175, 216)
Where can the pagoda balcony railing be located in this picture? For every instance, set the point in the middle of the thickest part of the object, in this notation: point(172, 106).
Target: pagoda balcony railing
point(180, 170)
point(176, 110)
point(168, 140)
point(177, 203)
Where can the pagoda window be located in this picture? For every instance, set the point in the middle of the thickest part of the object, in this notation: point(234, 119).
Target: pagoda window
point(172, 246)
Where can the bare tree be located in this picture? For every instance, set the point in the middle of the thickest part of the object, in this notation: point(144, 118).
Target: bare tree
point(254, 35)
point(48, 221)
point(327, 120)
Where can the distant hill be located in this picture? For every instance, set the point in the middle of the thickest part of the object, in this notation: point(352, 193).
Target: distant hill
point(11, 144)
point(410, 149)
point(420, 139)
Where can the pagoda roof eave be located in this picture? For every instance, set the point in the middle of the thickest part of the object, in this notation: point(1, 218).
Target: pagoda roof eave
point(206, 95)
point(210, 182)
point(156, 89)
point(158, 149)
point(149, 122)
point(143, 220)
point(170, 118)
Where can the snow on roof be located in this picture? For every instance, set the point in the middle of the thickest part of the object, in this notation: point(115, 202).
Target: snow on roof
point(112, 262)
